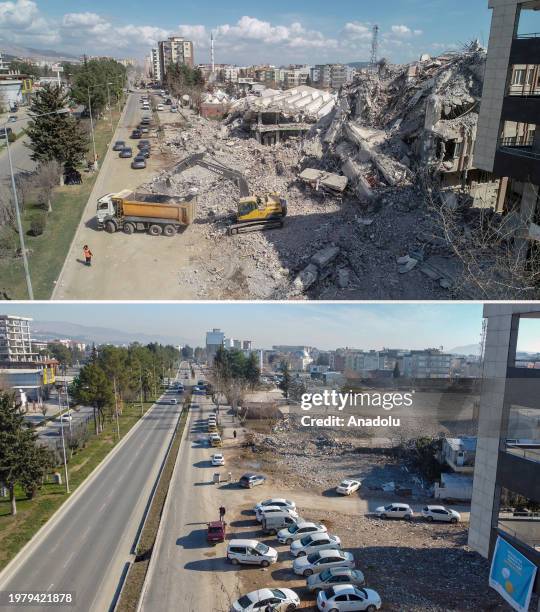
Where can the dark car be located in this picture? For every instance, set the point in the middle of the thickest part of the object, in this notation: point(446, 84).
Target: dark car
point(216, 532)
point(119, 145)
point(136, 134)
point(138, 163)
point(146, 121)
point(144, 144)
point(145, 152)
point(126, 152)
point(250, 480)
point(4, 131)
point(168, 101)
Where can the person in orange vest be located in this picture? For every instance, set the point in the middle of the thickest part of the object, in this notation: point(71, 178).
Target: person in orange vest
point(87, 253)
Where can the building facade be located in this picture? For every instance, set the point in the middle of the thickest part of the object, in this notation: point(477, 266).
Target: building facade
point(16, 340)
point(175, 50)
point(508, 141)
point(507, 465)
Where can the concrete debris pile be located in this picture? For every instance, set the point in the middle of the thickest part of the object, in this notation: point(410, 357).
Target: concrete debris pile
point(388, 126)
point(216, 97)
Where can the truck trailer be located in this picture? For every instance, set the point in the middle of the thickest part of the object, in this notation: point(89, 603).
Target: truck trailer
point(154, 213)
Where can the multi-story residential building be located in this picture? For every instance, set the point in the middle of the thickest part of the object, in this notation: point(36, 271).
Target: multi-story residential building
point(15, 340)
point(507, 465)
point(428, 363)
point(155, 64)
point(332, 76)
point(175, 50)
point(508, 141)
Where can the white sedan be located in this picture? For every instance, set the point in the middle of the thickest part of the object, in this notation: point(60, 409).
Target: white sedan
point(280, 600)
point(319, 561)
point(348, 598)
point(218, 459)
point(298, 531)
point(440, 513)
point(348, 486)
point(314, 543)
point(275, 501)
point(395, 510)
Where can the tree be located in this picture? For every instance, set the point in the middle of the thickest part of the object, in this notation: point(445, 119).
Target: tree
point(22, 461)
point(94, 388)
point(297, 388)
point(55, 136)
point(60, 352)
point(95, 79)
point(285, 383)
point(252, 370)
point(187, 352)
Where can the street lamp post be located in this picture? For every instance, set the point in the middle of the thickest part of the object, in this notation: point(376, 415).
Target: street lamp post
point(110, 107)
point(66, 476)
point(92, 127)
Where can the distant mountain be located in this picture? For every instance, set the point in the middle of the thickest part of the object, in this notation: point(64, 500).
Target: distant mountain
point(10, 49)
point(55, 330)
point(468, 349)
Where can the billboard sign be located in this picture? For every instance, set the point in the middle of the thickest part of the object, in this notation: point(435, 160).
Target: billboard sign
point(512, 575)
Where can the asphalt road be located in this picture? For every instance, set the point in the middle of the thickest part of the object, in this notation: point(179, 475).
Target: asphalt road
point(123, 265)
point(190, 575)
point(86, 551)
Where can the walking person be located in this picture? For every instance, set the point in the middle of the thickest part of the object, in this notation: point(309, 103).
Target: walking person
point(234, 434)
point(87, 254)
point(221, 512)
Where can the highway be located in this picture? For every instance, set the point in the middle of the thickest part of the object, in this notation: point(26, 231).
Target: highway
point(189, 574)
point(85, 552)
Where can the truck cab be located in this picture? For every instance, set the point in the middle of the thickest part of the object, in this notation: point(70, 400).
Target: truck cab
point(105, 209)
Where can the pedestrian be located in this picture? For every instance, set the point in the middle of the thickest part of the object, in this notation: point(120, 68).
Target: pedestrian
point(221, 512)
point(234, 434)
point(87, 254)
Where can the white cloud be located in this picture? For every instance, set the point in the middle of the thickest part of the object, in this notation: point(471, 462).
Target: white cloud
point(403, 30)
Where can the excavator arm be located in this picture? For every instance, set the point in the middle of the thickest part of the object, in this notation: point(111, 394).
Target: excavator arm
point(197, 159)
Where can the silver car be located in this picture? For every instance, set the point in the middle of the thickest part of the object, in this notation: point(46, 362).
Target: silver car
point(138, 163)
point(319, 561)
point(332, 576)
point(314, 543)
point(299, 530)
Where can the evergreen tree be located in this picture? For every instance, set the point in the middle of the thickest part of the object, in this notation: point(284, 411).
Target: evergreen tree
point(22, 461)
point(285, 383)
point(57, 137)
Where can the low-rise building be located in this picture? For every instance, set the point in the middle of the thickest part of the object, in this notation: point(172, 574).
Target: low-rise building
point(459, 454)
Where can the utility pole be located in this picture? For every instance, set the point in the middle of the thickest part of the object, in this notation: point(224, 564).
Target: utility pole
point(140, 389)
point(116, 409)
point(212, 57)
point(110, 107)
point(92, 127)
point(63, 442)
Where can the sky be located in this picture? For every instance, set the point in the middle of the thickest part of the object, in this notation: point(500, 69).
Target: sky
point(326, 326)
point(277, 32)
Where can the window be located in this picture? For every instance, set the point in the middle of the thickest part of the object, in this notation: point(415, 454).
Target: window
point(518, 77)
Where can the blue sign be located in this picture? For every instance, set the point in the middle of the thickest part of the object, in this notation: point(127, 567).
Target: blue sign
point(512, 575)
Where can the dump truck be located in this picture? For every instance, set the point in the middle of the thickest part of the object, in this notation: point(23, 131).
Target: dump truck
point(156, 214)
point(254, 212)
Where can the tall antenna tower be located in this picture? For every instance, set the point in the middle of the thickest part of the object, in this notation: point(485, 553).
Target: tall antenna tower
point(374, 46)
point(212, 58)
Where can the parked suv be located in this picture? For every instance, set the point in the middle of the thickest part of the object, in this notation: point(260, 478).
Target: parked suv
point(251, 552)
point(250, 480)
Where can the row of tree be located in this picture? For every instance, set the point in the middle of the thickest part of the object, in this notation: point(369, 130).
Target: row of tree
point(233, 375)
point(115, 375)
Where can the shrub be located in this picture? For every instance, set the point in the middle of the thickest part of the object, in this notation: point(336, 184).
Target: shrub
point(38, 224)
point(12, 137)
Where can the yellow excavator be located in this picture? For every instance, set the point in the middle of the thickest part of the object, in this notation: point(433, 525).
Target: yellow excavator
point(254, 212)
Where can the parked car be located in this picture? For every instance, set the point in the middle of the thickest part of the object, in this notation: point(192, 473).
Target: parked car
point(215, 532)
point(144, 144)
point(143, 128)
point(396, 510)
point(139, 162)
point(332, 576)
point(145, 121)
point(218, 459)
point(215, 439)
point(66, 417)
point(250, 480)
point(126, 152)
point(172, 401)
point(275, 521)
point(144, 153)
point(12, 119)
point(135, 135)
point(265, 512)
point(440, 513)
point(299, 530)
point(160, 107)
point(250, 552)
point(348, 486)
point(174, 109)
point(274, 501)
point(119, 145)
point(313, 543)
point(347, 597)
point(318, 561)
point(5, 131)
point(280, 600)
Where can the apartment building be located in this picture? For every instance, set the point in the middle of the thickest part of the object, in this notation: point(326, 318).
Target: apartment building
point(155, 64)
point(429, 363)
point(175, 50)
point(15, 340)
point(507, 142)
point(332, 76)
point(507, 460)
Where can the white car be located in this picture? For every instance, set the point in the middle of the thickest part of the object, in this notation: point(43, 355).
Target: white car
point(275, 501)
point(218, 459)
point(281, 600)
point(160, 107)
point(314, 543)
point(440, 513)
point(348, 486)
point(267, 510)
point(348, 598)
point(396, 510)
point(318, 561)
point(251, 552)
point(299, 530)
point(66, 417)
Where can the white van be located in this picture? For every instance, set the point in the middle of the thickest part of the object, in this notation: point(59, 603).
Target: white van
point(250, 552)
point(275, 521)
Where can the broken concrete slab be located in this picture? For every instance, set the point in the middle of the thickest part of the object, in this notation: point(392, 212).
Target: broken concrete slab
point(326, 256)
point(328, 181)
